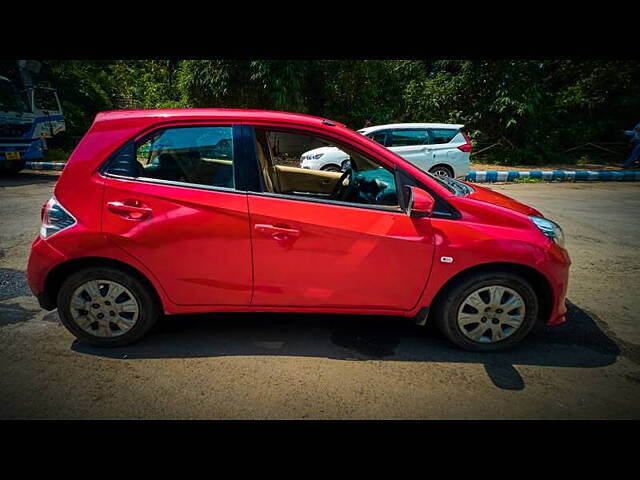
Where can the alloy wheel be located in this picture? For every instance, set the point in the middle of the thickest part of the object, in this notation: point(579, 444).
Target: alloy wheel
point(491, 314)
point(104, 308)
point(441, 172)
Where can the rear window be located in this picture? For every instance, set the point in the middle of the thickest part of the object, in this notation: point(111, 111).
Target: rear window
point(195, 155)
point(442, 135)
point(402, 138)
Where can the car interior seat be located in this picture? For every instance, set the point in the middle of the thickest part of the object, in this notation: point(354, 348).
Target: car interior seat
point(264, 161)
point(165, 167)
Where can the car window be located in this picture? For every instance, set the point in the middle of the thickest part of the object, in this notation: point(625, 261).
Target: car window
point(46, 99)
point(288, 148)
point(196, 155)
point(403, 138)
point(442, 135)
point(379, 137)
point(287, 168)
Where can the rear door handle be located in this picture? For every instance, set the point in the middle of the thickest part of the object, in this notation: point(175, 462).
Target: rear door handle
point(277, 231)
point(130, 209)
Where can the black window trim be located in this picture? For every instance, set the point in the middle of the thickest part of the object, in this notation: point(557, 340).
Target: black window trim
point(238, 163)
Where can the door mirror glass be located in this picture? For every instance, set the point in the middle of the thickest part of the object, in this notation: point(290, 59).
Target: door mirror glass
point(420, 203)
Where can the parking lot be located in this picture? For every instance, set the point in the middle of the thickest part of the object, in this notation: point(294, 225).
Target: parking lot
point(329, 366)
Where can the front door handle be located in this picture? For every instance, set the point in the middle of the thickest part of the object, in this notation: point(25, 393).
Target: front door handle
point(130, 209)
point(279, 232)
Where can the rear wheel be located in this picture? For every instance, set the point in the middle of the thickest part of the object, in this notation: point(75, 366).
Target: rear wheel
point(106, 307)
point(14, 166)
point(441, 171)
point(488, 311)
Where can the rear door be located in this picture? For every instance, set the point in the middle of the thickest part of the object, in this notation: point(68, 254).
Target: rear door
point(173, 200)
point(412, 145)
point(444, 145)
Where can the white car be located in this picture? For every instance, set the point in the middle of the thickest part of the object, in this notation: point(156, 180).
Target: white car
point(439, 148)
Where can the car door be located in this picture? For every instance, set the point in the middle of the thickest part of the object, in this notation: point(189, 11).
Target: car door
point(443, 151)
point(172, 200)
point(312, 252)
point(412, 145)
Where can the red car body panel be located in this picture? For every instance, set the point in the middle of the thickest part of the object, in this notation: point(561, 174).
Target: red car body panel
point(196, 242)
point(369, 251)
point(209, 250)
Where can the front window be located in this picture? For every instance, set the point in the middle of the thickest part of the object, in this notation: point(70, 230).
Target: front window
point(10, 99)
point(281, 158)
point(46, 99)
point(380, 137)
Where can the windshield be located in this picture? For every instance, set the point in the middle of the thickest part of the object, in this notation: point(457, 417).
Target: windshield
point(10, 99)
point(454, 186)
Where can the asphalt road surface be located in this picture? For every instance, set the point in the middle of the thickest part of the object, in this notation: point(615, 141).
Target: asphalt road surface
point(324, 366)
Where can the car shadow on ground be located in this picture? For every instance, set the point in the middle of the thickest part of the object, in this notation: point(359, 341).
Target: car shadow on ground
point(27, 178)
point(580, 342)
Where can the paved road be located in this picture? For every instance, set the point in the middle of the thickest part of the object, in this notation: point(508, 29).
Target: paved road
point(314, 366)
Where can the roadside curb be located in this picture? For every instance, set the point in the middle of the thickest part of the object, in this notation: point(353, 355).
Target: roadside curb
point(554, 175)
point(44, 165)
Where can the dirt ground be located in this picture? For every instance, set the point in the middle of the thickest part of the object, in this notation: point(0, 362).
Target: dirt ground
point(322, 366)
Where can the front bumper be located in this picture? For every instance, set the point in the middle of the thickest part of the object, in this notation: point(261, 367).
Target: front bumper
point(557, 272)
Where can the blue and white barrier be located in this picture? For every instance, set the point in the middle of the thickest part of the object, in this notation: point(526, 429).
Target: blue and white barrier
point(554, 175)
point(44, 165)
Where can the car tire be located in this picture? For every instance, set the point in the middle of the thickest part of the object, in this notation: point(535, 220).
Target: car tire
point(331, 168)
point(135, 292)
point(450, 311)
point(14, 167)
point(441, 171)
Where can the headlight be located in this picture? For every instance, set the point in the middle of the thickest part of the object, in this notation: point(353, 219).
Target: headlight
point(549, 228)
point(315, 157)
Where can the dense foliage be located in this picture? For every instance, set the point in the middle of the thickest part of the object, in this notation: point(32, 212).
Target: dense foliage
point(535, 109)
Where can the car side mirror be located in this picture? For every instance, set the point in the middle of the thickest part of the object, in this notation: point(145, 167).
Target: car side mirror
point(420, 203)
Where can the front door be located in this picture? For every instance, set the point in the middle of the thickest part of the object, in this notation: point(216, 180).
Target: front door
point(311, 250)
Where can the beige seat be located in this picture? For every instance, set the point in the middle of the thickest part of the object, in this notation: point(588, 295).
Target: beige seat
point(265, 164)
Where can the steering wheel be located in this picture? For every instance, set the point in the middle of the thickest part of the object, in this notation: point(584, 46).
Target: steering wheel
point(342, 192)
point(338, 190)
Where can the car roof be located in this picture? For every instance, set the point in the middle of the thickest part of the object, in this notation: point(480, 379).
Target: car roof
point(410, 125)
point(232, 114)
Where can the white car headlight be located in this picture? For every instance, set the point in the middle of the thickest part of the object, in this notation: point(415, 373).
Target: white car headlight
point(549, 228)
point(315, 157)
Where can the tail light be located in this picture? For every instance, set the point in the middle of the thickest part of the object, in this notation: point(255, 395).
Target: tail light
point(467, 146)
point(55, 218)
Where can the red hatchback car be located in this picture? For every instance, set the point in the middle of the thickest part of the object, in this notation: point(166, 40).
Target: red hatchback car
point(207, 210)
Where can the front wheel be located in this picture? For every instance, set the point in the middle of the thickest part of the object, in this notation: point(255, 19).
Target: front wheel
point(486, 312)
point(106, 307)
point(331, 168)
